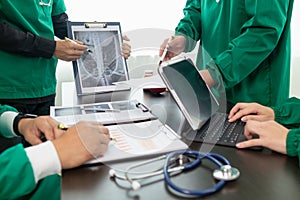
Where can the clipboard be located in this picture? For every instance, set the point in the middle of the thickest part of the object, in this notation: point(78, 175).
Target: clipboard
point(102, 64)
point(138, 133)
point(108, 113)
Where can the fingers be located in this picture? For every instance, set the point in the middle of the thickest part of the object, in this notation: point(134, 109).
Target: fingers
point(163, 46)
point(34, 140)
point(236, 112)
point(94, 137)
point(126, 50)
point(69, 50)
point(240, 110)
point(251, 128)
point(249, 143)
point(50, 130)
point(125, 37)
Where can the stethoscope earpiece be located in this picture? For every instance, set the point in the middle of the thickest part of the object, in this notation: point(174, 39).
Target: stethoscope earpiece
point(112, 173)
point(135, 185)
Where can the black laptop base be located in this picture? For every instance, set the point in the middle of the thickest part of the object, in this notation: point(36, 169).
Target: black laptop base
point(218, 131)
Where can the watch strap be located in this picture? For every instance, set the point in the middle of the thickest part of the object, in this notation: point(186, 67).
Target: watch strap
point(17, 120)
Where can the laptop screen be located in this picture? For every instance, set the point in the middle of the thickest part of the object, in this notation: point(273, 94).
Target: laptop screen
point(189, 90)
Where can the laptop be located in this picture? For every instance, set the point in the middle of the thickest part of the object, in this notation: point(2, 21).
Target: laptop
point(205, 122)
point(102, 64)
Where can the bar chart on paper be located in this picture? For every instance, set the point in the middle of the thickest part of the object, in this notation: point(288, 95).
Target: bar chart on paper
point(141, 139)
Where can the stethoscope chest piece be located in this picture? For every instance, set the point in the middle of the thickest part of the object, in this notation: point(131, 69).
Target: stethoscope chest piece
point(226, 173)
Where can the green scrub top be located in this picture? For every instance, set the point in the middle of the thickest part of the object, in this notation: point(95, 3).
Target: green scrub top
point(293, 143)
point(28, 77)
point(17, 178)
point(5, 108)
point(248, 41)
point(288, 113)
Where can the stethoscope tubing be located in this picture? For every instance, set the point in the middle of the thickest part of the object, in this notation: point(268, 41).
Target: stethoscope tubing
point(215, 158)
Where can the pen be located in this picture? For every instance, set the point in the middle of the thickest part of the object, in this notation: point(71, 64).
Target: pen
point(65, 127)
point(102, 110)
point(165, 52)
point(68, 39)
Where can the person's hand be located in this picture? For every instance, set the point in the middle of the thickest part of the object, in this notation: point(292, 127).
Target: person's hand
point(207, 78)
point(251, 111)
point(126, 48)
point(80, 143)
point(271, 135)
point(175, 46)
point(69, 50)
point(34, 129)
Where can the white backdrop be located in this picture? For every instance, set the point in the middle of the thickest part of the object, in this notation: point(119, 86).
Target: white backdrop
point(161, 14)
point(133, 14)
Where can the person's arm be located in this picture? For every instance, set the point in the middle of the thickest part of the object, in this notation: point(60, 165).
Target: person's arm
point(288, 113)
point(24, 43)
point(80, 143)
point(60, 25)
point(15, 166)
point(7, 115)
point(251, 111)
point(13, 124)
point(190, 25)
point(259, 36)
point(263, 31)
point(293, 143)
point(271, 135)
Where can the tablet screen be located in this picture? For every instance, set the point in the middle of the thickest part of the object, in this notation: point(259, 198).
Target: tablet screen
point(189, 91)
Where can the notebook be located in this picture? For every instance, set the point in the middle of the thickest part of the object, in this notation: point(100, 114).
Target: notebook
point(205, 122)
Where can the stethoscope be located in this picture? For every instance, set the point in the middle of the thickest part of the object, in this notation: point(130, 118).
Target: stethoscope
point(177, 162)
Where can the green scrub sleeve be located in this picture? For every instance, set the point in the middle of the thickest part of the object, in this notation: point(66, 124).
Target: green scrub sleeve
point(288, 113)
point(190, 25)
point(7, 114)
point(15, 166)
point(4, 108)
point(293, 143)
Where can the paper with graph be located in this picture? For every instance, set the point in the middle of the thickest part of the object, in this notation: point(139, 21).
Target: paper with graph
point(135, 130)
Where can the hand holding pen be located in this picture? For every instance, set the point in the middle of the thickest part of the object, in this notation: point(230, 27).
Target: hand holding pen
point(65, 128)
point(171, 47)
point(69, 50)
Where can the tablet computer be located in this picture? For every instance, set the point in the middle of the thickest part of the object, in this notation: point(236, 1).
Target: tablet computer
point(199, 105)
point(189, 90)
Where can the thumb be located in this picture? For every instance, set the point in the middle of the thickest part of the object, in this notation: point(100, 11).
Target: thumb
point(248, 143)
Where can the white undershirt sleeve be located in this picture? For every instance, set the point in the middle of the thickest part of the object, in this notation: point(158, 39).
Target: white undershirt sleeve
point(44, 160)
point(6, 124)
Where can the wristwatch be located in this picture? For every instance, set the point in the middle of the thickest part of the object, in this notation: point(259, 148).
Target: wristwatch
point(17, 120)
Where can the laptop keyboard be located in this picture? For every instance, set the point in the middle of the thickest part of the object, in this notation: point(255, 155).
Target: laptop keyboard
point(219, 130)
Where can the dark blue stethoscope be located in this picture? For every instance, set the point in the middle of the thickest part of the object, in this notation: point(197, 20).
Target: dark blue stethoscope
point(223, 173)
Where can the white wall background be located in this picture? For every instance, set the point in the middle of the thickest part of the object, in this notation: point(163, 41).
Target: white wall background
point(295, 73)
point(138, 16)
